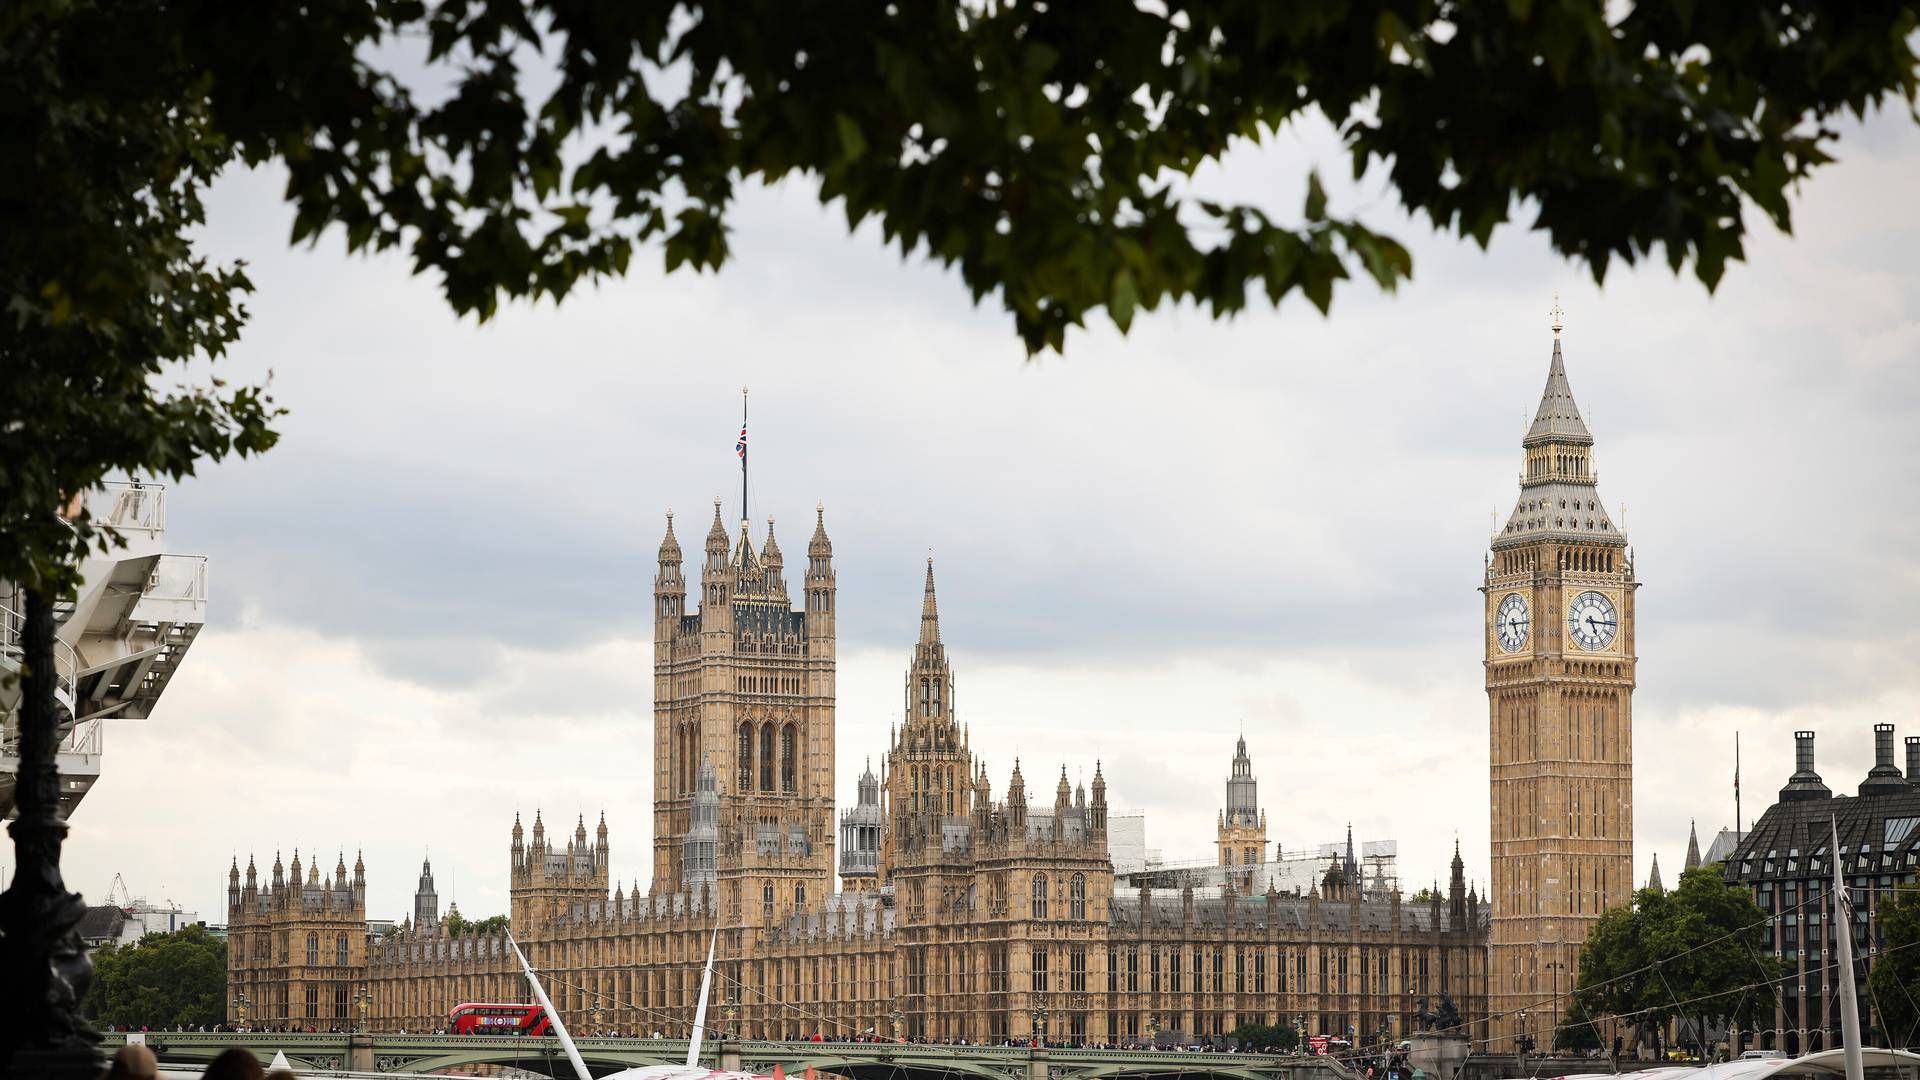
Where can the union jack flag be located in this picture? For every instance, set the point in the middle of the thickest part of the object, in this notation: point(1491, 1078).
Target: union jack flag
point(740, 447)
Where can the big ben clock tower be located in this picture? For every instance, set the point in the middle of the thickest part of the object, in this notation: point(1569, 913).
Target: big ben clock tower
point(1560, 674)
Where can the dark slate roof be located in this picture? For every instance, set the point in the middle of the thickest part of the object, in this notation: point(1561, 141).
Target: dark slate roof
point(1558, 418)
point(1879, 834)
point(100, 922)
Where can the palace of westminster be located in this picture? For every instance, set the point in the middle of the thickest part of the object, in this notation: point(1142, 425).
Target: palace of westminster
point(962, 915)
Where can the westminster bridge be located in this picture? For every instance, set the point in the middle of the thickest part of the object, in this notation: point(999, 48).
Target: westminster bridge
point(383, 1053)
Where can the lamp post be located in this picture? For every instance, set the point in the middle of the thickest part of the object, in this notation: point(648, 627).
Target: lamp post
point(599, 1015)
point(1299, 1031)
point(733, 1017)
point(1153, 1029)
point(362, 999)
point(240, 1004)
point(1556, 967)
point(896, 1017)
point(1523, 1041)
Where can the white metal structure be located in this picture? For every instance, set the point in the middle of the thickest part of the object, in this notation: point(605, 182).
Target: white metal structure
point(1824, 1065)
point(692, 1070)
point(116, 645)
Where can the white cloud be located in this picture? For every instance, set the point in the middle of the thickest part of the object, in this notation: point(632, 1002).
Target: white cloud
point(432, 600)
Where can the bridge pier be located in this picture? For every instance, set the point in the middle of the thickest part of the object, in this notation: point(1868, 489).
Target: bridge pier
point(1037, 1064)
point(360, 1052)
point(730, 1054)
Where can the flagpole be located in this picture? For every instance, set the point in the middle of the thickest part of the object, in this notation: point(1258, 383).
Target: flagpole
point(1736, 787)
point(743, 454)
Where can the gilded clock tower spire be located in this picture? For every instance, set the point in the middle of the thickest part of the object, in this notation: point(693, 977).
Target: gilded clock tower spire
point(1559, 596)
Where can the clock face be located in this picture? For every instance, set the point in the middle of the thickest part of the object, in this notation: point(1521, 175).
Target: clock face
point(1513, 622)
point(1591, 621)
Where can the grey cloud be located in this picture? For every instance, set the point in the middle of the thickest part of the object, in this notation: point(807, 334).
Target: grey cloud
point(1278, 483)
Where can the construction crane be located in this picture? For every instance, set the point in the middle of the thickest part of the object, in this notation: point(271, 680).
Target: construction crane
point(118, 894)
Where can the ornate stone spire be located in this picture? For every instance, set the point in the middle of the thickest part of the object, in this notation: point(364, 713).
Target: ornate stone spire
point(820, 546)
point(1243, 790)
point(1653, 878)
point(929, 611)
point(1558, 418)
point(669, 544)
point(930, 714)
point(717, 540)
point(1559, 486)
point(1693, 849)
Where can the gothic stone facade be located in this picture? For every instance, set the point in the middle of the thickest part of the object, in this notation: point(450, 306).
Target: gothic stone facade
point(1560, 659)
point(296, 949)
point(980, 919)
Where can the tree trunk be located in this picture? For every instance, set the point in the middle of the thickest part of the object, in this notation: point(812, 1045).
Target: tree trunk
point(42, 961)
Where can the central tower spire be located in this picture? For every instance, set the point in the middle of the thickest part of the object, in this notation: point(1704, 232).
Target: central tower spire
point(929, 612)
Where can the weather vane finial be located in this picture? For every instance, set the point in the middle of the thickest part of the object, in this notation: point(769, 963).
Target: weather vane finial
point(1559, 316)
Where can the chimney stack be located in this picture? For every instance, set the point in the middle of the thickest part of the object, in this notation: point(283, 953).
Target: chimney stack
point(1913, 759)
point(1804, 784)
point(1885, 779)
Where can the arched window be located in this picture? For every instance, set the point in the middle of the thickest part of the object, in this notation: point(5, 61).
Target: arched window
point(800, 898)
point(746, 757)
point(766, 899)
point(1039, 896)
point(1077, 897)
point(924, 699)
point(936, 697)
point(340, 951)
point(786, 759)
point(766, 757)
point(313, 950)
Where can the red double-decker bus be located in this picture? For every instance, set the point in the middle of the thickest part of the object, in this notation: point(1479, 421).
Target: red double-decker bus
point(488, 1018)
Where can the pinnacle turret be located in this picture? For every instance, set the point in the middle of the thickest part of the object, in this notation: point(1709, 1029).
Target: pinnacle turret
point(819, 547)
point(717, 540)
point(771, 549)
point(1693, 848)
point(669, 544)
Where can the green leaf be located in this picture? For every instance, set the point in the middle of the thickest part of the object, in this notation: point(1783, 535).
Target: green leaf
point(1316, 197)
point(1121, 299)
point(853, 145)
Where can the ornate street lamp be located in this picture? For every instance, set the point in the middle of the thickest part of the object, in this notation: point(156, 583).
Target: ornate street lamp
point(894, 1014)
point(46, 967)
point(733, 1016)
point(240, 1004)
point(363, 999)
point(599, 1014)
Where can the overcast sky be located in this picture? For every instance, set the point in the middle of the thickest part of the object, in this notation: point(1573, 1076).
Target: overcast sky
point(430, 605)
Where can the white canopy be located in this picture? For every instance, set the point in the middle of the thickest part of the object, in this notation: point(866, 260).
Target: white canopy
point(1823, 1064)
